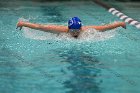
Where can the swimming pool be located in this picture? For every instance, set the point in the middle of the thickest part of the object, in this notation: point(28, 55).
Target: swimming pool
point(37, 62)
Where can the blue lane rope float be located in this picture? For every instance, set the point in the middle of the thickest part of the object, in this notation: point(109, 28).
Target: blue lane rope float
point(119, 14)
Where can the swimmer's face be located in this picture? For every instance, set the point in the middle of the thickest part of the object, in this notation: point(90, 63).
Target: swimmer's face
point(75, 32)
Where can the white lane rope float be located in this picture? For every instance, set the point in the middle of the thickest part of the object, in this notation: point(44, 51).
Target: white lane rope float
point(119, 14)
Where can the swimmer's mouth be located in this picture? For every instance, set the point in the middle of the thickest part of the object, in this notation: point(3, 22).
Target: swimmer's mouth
point(76, 36)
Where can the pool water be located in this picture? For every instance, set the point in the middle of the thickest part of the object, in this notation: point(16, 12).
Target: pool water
point(32, 61)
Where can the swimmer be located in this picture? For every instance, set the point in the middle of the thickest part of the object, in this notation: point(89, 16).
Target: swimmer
point(74, 27)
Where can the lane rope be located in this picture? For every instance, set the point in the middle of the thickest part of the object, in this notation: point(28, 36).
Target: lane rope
point(119, 14)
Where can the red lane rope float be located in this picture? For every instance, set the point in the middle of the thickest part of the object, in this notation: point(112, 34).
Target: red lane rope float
point(119, 14)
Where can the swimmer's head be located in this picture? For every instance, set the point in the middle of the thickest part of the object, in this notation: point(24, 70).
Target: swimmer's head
point(74, 23)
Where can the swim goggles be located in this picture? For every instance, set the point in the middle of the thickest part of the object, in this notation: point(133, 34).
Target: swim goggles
point(74, 30)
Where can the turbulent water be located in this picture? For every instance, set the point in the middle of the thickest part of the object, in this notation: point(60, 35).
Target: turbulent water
point(88, 35)
point(33, 61)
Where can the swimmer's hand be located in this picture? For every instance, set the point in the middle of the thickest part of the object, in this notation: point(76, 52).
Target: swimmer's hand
point(19, 25)
point(123, 24)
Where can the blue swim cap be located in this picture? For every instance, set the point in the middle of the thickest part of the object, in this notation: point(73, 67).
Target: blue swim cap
point(74, 23)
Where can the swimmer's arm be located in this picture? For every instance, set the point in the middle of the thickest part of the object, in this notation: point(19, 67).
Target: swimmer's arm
point(106, 27)
point(46, 28)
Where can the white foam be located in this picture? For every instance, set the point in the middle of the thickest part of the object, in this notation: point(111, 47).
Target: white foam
point(23, 19)
point(88, 35)
point(94, 35)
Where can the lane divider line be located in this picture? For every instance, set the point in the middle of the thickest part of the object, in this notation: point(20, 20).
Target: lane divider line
point(119, 14)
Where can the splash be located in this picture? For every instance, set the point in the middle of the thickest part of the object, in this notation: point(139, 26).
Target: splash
point(23, 19)
point(94, 35)
point(88, 35)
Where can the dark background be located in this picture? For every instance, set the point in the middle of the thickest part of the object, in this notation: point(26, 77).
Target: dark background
point(74, 0)
point(90, 0)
